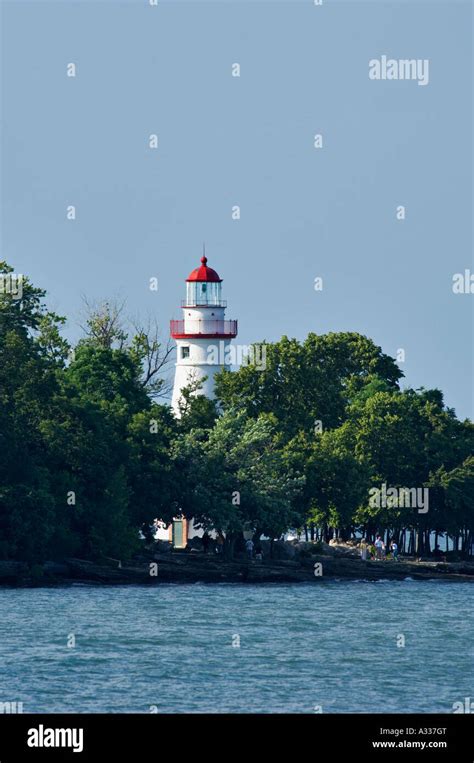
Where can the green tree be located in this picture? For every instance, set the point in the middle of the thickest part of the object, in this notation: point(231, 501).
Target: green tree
point(235, 478)
point(302, 383)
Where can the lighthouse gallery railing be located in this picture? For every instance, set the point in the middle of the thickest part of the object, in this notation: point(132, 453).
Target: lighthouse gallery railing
point(196, 327)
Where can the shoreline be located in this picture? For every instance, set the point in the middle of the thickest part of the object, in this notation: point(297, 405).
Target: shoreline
point(199, 568)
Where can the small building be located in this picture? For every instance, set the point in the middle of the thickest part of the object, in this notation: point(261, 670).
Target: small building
point(179, 531)
point(176, 532)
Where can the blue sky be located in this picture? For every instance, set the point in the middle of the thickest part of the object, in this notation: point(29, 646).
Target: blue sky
point(248, 141)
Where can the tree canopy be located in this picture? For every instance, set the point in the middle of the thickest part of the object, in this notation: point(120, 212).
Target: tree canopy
point(89, 453)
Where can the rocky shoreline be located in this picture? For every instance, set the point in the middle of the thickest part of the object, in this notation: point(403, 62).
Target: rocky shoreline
point(181, 567)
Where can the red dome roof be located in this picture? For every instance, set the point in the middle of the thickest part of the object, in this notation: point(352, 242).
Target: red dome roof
point(203, 273)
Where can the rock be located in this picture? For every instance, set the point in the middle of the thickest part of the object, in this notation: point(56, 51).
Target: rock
point(196, 544)
point(56, 569)
point(302, 547)
point(163, 547)
point(282, 549)
point(12, 572)
point(181, 567)
point(326, 548)
point(340, 547)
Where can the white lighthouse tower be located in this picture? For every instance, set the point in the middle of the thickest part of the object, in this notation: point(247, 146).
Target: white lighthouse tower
point(202, 335)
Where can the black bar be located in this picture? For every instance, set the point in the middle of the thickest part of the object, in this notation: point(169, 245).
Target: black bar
point(143, 737)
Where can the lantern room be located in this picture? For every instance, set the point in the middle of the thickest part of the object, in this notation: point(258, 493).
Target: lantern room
point(203, 287)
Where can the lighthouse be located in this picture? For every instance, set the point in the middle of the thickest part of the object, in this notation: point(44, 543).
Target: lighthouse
point(202, 335)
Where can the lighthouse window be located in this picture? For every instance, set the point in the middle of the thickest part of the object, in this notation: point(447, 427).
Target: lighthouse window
point(184, 352)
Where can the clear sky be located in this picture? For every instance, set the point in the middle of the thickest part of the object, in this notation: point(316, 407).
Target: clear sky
point(306, 212)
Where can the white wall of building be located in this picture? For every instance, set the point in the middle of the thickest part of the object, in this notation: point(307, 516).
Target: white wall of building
point(197, 366)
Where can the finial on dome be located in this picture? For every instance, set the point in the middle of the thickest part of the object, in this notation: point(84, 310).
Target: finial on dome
point(203, 258)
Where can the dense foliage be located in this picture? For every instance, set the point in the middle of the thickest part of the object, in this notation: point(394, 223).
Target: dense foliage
point(88, 455)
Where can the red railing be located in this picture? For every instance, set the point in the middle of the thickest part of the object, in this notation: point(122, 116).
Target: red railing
point(202, 328)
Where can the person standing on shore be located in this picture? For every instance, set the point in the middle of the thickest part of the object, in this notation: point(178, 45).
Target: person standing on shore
point(379, 546)
point(219, 543)
point(249, 547)
point(394, 550)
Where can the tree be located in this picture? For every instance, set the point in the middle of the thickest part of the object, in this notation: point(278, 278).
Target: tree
point(28, 383)
point(104, 325)
point(402, 437)
point(87, 455)
point(235, 477)
point(105, 328)
point(111, 378)
point(152, 473)
point(308, 382)
point(336, 484)
point(196, 410)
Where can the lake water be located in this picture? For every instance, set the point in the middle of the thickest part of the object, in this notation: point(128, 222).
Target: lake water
point(170, 648)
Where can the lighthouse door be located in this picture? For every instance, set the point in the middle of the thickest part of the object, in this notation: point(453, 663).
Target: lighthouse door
point(178, 533)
